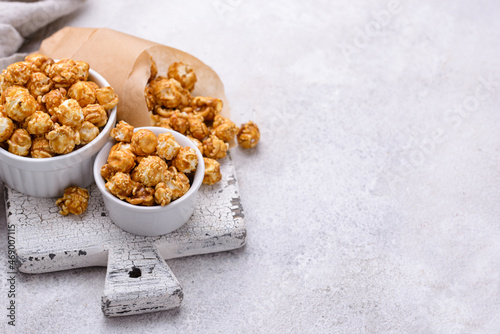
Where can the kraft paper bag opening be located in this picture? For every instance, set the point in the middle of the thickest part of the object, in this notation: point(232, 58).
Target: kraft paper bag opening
point(125, 62)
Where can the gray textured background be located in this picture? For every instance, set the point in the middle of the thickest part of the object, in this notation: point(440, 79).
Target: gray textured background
point(372, 201)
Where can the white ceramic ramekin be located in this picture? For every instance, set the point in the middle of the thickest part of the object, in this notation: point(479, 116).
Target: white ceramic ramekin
point(150, 220)
point(48, 177)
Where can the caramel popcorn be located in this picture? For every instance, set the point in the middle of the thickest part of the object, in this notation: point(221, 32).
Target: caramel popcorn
point(64, 73)
point(153, 69)
point(224, 128)
point(107, 97)
point(149, 171)
point(144, 142)
point(142, 195)
point(95, 114)
point(186, 160)
point(178, 182)
point(249, 135)
point(197, 128)
point(18, 73)
point(20, 142)
point(39, 84)
point(120, 185)
point(18, 103)
point(150, 98)
point(70, 113)
point(6, 128)
point(107, 172)
point(88, 132)
point(122, 132)
point(121, 160)
point(198, 143)
point(208, 107)
point(39, 63)
point(179, 122)
point(62, 139)
point(38, 123)
point(183, 74)
point(75, 200)
point(40, 148)
point(167, 147)
point(82, 92)
point(163, 194)
point(53, 99)
point(169, 92)
point(214, 148)
point(212, 171)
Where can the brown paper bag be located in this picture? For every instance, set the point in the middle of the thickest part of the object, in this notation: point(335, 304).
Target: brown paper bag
point(124, 61)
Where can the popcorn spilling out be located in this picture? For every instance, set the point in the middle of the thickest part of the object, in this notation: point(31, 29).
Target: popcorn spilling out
point(49, 108)
point(172, 106)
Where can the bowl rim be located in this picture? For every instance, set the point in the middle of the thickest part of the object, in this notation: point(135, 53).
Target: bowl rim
point(193, 189)
point(13, 158)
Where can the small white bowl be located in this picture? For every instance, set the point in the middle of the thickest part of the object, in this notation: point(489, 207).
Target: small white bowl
point(48, 177)
point(150, 220)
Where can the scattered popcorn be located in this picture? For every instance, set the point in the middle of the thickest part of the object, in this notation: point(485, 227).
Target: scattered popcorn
point(249, 135)
point(75, 201)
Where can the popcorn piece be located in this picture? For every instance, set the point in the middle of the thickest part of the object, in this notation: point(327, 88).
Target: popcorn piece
point(208, 107)
point(163, 112)
point(64, 73)
point(6, 128)
point(39, 63)
point(149, 171)
point(20, 142)
point(107, 97)
point(179, 121)
point(183, 74)
point(197, 128)
point(75, 200)
point(144, 142)
point(163, 122)
point(163, 194)
point(82, 70)
point(107, 172)
point(88, 132)
point(142, 195)
point(122, 132)
point(121, 160)
point(186, 160)
point(38, 123)
point(62, 139)
point(169, 92)
point(224, 128)
point(83, 92)
point(212, 171)
point(18, 103)
point(18, 73)
point(70, 113)
point(39, 84)
point(178, 182)
point(53, 100)
point(198, 143)
point(40, 148)
point(214, 148)
point(4, 84)
point(249, 135)
point(95, 114)
point(167, 147)
point(120, 185)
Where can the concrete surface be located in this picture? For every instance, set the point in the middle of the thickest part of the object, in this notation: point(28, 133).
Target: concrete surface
point(372, 201)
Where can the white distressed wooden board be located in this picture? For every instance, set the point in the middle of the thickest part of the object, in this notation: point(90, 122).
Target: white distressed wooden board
point(138, 280)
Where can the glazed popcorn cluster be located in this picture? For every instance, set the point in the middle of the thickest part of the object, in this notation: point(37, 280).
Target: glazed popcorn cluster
point(49, 108)
point(172, 106)
point(145, 169)
point(75, 201)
